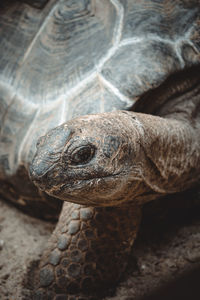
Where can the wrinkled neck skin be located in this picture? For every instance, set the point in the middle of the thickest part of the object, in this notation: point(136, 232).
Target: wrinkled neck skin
point(170, 156)
point(171, 143)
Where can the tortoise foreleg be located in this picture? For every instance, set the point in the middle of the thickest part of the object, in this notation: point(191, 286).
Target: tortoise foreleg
point(87, 251)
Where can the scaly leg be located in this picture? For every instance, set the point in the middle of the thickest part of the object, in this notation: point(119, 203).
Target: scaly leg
point(87, 251)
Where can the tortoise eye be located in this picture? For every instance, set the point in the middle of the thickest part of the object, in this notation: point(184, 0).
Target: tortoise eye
point(82, 155)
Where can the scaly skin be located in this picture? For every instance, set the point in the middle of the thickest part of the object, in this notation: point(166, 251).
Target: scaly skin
point(87, 252)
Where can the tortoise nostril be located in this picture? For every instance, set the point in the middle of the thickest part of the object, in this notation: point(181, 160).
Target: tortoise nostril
point(38, 173)
point(48, 155)
point(39, 168)
point(49, 149)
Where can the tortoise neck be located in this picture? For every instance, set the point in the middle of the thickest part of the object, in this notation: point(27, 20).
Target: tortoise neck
point(170, 155)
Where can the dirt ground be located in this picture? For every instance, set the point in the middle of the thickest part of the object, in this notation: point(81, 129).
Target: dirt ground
point(164, 263)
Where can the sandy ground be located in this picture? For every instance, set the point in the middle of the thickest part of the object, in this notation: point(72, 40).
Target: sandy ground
point(164, 263)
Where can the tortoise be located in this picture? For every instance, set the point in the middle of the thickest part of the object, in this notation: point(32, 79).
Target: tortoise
point(100, 110)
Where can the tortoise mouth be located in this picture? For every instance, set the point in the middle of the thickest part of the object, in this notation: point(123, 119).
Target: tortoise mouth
point(83, 191)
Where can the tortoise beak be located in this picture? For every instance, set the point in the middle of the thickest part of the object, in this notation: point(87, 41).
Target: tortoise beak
point(48, 154)
point(39, 170)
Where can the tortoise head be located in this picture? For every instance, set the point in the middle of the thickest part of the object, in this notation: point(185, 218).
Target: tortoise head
point(89, 160)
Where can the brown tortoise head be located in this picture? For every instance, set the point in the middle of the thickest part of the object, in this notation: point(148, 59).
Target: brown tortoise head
point(93, 160)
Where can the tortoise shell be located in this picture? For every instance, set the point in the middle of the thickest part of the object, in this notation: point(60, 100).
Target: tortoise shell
point(62, 59)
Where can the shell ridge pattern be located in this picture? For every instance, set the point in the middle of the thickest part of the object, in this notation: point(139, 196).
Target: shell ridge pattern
point(13, 97)
point(74, 91)
point(96, 72)
point(117, 34)
point(97, 69)
point(54, 6)
point(116, 91)
point(119, 22)
point(25, 141)
point(118, 43)
point(63, 99)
